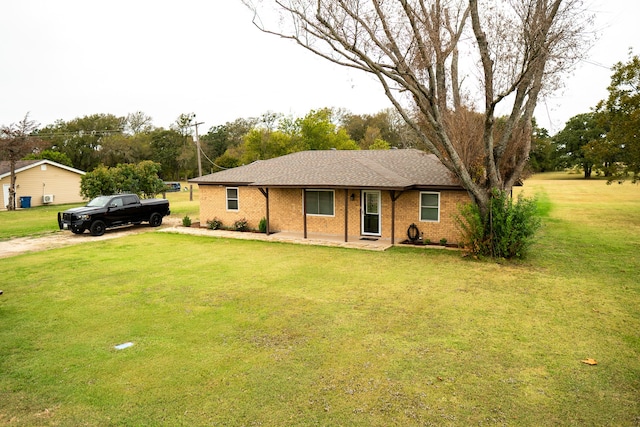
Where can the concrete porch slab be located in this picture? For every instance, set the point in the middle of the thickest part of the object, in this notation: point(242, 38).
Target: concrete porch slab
point(354, 242)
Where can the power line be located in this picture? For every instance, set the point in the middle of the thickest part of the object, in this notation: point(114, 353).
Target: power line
point(597, 64)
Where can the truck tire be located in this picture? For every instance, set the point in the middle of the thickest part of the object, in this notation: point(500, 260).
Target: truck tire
point(155, 220)
point(97, 228)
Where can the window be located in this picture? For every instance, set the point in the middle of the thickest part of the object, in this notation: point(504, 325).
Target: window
point(430, 207)
point(232, 199)
point(319, 202)
point(130, 200)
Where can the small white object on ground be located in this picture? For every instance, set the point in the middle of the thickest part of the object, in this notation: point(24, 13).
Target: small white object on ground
point(123, 346)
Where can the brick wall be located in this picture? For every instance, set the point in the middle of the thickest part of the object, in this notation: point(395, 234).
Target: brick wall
point(252, 205)
point(285, 212)
point(408, 212)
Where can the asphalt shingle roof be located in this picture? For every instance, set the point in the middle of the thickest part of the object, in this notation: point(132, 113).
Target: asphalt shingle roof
point(5, 165)
point(390, 169)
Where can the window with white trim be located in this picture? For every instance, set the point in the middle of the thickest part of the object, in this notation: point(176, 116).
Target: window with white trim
point(232, 199)
point(430, 207)
point(319, 202)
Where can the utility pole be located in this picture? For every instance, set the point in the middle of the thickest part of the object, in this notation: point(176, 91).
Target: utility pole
point(198, 148)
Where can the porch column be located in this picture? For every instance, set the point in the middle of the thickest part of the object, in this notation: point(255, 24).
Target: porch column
point(346, 215)
point(394, 197)
point(265, 193)
point(304, 211)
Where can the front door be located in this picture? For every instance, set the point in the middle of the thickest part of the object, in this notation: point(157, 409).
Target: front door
point(371, 213)
point(5, 195)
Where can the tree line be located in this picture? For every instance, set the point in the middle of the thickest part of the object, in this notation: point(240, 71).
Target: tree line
point(107, 140)
point(606, 140)
point(603, 141)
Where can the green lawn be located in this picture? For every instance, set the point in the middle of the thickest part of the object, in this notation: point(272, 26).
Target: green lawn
point(42, 220)
point(244, 333)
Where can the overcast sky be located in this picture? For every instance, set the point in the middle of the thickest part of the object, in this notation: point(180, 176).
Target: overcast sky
point(70, 58)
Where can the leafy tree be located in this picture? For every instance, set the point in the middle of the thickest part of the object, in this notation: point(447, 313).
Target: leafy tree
point(579, 131)
point(187, 156)
point(184, 123)
point(274, 135)
point(226, 161)
point(166, 146)
point(137, 123)
point(141, 179)
point(542, 150)
point(81, 139)
point(222, 137)
point(412, 47)
point(386, 125)
point(317, 132)
point(604, 154)
point(54, 156)
point(16, 141)
point(621, 110)
point(262, 144)
point(380, 144)
point(100, 181)
point(123, 148)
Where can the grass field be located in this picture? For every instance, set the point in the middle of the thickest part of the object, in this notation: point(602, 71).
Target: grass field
point(242, 333)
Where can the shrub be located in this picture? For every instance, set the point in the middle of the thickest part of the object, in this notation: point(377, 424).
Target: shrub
point(262, 225)
point(214, 224)
point(186, 221)
point(241, 225)
point(141, 179)
point(508, 230)
point(443, 241)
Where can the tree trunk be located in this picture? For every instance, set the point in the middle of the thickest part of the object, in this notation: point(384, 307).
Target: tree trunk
point(409, 46)
point(587, 171)
point(12, 187)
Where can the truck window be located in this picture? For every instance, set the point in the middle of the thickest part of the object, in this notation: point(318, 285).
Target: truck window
point(130, 200)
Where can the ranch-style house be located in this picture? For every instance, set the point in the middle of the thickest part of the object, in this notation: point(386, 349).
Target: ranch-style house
point(352, 195)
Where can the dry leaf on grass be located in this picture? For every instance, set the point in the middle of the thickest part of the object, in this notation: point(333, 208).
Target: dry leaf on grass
point(589, 362)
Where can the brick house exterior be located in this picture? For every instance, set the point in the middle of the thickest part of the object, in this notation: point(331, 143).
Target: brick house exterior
point(350, 194)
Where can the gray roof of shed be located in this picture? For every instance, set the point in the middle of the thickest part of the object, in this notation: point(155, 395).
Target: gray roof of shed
point(390, 169)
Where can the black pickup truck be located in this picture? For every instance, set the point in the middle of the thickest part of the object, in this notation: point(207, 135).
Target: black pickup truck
point(111, 211)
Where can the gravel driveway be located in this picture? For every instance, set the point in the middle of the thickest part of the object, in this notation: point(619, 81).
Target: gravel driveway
point(57, 239)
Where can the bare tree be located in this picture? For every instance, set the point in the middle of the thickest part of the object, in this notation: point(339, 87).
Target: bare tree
point(16, 141)
point(415, 48)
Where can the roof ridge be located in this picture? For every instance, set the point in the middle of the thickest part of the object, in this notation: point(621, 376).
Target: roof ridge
point(382, 170)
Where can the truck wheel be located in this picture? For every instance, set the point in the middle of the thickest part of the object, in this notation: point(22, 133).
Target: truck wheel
point(155, 220)
point(97, 228)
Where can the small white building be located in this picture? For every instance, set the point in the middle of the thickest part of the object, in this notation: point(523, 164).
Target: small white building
point(43, 181)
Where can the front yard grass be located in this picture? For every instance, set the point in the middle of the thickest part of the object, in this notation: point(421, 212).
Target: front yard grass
point(36, 221)
point(43, 220)
point(232, 332)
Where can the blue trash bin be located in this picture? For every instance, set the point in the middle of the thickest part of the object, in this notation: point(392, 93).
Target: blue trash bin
point(25, 202)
